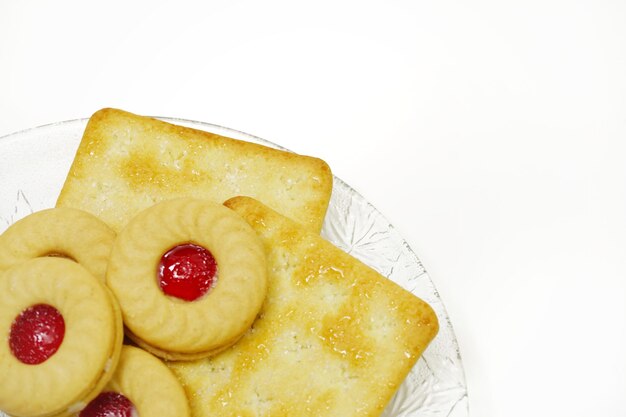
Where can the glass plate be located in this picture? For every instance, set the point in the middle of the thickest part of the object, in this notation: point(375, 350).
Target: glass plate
point(33, 166)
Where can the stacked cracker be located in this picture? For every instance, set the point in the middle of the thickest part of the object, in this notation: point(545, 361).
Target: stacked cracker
point(333, 338)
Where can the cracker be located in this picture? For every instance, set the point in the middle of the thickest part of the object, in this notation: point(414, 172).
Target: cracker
point(333, 338)
point(126, 163)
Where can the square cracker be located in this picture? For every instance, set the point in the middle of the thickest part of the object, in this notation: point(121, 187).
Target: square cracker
point(334, 337)
point(126, 163)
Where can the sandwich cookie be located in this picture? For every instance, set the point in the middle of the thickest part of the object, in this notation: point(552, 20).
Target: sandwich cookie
point(60, 232)
point(190, 277)
point(64, 334)
point(128, 394)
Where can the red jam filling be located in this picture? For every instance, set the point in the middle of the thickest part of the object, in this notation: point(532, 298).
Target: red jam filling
point(109, 404)
point(36, 334)
point(187, 272)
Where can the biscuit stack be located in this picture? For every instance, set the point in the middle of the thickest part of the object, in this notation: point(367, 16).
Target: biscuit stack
point(64, 326)
point(240, 308)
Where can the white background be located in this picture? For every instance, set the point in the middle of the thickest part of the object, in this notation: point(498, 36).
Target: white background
point(490, 133)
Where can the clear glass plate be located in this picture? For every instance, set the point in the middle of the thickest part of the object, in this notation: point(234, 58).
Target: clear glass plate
point(33, 166)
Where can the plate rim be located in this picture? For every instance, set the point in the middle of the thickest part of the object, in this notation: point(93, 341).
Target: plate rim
point(195, 124)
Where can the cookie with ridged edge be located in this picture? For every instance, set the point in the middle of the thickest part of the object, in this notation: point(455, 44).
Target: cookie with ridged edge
point(162, 396)
point(166, 325)
point(64, 232)
point(88, 353)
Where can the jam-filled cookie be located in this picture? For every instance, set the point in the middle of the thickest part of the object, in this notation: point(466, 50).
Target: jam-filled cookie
point(142, 385)
point(64, 232)
point(190, 277)
point(63, 333)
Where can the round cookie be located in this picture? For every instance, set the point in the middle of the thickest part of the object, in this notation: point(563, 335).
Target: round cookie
point(64, 332)
point(173, 243)
point(128, 392)
point(64, 232)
